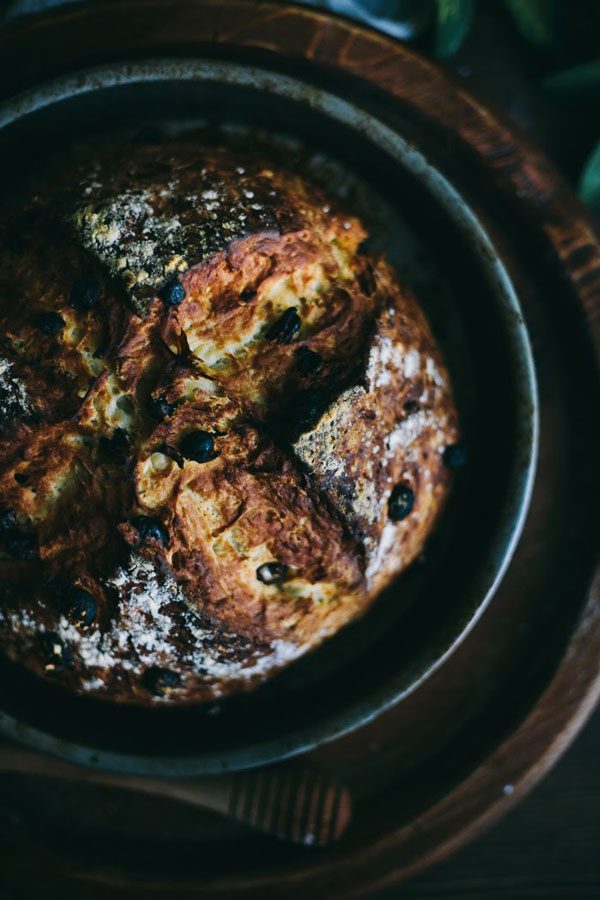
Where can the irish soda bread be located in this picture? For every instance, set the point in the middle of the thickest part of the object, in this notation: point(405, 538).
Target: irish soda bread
point(224, 427)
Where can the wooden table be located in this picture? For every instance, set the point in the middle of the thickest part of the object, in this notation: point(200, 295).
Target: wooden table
point(545, 849)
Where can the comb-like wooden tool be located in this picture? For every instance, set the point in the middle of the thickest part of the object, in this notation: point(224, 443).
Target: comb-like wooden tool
point(297, 805)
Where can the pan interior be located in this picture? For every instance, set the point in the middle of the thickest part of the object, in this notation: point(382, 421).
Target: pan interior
point(427, 231)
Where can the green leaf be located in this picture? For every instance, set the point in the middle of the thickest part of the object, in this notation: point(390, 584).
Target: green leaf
point(581, 82)
point(453, 20)
point(537, 20)
point(589, 184)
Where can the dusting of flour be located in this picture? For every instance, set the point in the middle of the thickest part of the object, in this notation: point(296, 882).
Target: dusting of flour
point(155, 627)
point(14, 399)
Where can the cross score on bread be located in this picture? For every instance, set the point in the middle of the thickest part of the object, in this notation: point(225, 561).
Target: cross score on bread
point(225, 425)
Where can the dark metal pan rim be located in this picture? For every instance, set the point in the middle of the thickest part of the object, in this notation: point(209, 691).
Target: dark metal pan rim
point(514, 510)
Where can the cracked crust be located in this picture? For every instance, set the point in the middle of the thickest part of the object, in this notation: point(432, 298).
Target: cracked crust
point(181, 289)
point(392, 428)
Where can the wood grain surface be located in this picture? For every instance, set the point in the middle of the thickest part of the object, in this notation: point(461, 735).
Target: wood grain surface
point(544, 849)
point(483, 730)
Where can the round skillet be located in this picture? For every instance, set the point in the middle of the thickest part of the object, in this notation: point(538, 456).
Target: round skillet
point(417, 624)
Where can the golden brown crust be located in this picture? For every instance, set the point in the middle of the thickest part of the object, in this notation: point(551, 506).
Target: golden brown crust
point(390, 429)
point(246, 507)
point(157, 211)
point(209, 400)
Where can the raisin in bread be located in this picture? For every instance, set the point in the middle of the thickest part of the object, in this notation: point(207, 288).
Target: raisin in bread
point(223, 424)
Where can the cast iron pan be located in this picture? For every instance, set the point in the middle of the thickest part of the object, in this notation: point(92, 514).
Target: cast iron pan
point(427, 227)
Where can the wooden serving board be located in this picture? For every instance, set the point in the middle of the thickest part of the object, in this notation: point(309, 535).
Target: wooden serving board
point(475, 737)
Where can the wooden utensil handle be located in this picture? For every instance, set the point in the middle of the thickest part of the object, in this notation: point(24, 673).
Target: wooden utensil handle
point(293, 804)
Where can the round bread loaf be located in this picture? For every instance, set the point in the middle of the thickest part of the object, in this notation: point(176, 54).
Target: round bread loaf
point(224, 425)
